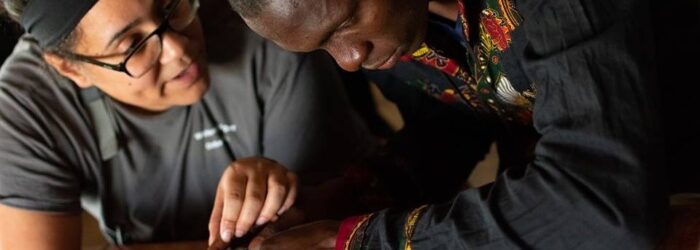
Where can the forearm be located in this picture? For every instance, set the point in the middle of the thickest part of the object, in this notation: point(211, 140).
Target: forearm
point(22, 229)
point(595, 181)
point(539, 208)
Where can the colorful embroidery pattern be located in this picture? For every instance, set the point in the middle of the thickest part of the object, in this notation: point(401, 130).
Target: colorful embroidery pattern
point(483, 82)
point(497, 31)
point(511, 16)
point(432, 57)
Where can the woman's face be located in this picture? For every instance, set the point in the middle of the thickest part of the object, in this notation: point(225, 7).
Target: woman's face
point(178, 77)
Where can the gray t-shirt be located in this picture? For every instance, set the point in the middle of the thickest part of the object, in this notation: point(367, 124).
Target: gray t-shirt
point(161, 183)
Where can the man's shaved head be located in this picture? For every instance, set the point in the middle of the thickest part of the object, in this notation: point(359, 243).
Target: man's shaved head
point(248, 8)
point(357, 33)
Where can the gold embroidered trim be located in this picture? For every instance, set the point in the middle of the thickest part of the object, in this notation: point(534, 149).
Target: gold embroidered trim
point(411, 225)
point(355, 229)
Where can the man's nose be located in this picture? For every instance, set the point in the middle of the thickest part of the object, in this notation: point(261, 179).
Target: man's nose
point(349, 55)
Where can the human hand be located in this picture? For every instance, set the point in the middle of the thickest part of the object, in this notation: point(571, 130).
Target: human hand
point(251, 191)
point(293, 217)
point(320, 235)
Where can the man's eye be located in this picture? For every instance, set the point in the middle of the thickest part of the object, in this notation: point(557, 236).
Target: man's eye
point(345, 24)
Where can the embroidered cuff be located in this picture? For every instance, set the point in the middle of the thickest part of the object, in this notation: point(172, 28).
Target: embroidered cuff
point(410, 225)
point(349, 231)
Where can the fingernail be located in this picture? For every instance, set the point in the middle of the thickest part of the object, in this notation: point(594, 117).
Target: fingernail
point(260, 221)
point(282, 211)
point(239, 233)
point(226, 235)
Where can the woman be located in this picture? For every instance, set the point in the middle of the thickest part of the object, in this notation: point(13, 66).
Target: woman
point(116, 107)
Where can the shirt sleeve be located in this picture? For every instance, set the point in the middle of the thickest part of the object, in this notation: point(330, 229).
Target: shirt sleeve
point(35, 149)
point(595, 182)
point(309, 124)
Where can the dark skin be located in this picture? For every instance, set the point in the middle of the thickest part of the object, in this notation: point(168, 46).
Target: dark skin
point(370, 34)
point(268, 239)
point(357, 33)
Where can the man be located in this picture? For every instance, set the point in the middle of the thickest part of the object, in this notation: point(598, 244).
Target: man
point(568, 84)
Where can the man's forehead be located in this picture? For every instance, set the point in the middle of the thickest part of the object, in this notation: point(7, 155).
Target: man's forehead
point(296, 15)
point(300, 10)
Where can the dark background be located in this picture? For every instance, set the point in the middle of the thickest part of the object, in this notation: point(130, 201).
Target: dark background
point(8, 36)
point(677, 27)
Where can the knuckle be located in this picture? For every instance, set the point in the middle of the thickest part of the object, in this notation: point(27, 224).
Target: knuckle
point(241, 166)
point(256, 197)
point(229, 170)
point(237, 167)
point(228, 223)
point(277, 181)
point(234, 196)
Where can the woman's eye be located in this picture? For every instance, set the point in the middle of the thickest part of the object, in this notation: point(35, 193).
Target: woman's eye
point(126, 46)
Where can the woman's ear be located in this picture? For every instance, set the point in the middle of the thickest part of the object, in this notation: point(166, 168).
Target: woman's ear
point(67, 69)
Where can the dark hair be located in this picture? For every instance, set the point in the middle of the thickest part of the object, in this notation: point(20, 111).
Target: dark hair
point(248, 8)
point(15, 8)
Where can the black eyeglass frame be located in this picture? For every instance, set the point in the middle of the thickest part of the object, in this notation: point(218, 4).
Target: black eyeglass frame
point(121, 67)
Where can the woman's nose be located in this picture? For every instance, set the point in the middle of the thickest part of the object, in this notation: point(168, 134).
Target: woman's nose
point(174, 45)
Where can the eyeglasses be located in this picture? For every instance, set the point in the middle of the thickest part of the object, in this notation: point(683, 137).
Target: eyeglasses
point(141, 57)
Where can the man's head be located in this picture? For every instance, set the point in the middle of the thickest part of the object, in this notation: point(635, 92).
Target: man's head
point(368, 33)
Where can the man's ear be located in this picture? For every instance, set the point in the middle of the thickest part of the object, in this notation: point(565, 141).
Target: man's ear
point(67, 69)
